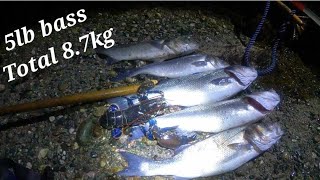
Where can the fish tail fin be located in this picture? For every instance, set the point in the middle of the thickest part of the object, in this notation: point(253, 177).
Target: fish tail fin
point(124, 74)
point(101, 52)
point(134, 165)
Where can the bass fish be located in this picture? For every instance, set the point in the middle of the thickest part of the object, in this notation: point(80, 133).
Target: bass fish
point(157, 50)
point(215, 155)
point(177, 67)
point(206, 87)
point(217, 117)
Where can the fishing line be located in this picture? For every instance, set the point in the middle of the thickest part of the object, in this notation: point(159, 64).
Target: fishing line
point(274, 60)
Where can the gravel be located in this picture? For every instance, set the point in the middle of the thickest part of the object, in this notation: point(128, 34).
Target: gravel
point(63, 142)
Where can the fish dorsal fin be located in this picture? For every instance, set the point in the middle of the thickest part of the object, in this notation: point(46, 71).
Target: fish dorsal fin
point(158, 43)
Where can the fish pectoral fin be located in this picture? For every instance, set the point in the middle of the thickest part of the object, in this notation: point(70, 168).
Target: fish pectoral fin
point(221, 81)
point(199, 63)
point(240, 146)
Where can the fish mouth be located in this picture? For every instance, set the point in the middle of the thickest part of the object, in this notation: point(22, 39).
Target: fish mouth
point(263, 135)
point(264, 101)
point(244, 75)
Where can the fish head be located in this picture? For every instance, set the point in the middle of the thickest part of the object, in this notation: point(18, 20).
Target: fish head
point(243, 74)
point(264, 101)
point(216, 62)
point(183, 44)
point(263, 135)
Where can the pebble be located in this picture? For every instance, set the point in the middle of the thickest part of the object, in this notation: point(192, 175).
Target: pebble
point(317, 139)
point(52, 118)
point(63, 86)
point(29, 165)
point(61, 161)
point(93, 154)
point(71, 130)
point(130, 80)
point(103, 163)
point(112, 73)
point(91, 174)
point(99, 111)
point(75, 146)
point(134, 39)
point(43, 153)
point(2, 87)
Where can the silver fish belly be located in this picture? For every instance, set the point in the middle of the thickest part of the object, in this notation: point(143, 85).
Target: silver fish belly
point(157, 50)
point(177, 67)
point(215, 155)
point(206, 87)
point(217, 117)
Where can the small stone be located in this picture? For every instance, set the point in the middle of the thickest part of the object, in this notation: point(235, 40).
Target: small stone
point(33, 51)
point(192, 24)
point(130, 80)
point(63, 86)
point(61, 161)
point(2, 87)
point(91, 174)
point(93, 154)
point(64, 153)
point(103, 163)
point(313, 155)
point(29, 165)
point(317, 139)
point(99, 111)
point(148, 142)
point(82, 110)
point(71, 130)
point(52, 118)
point(112, 73)
point(75, 146)
point(43, 153)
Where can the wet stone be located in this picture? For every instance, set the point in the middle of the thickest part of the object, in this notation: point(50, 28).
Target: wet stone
point(93, 154)
point(52, 118)
point(43, 153)
point(29, 165)
point(63, 86)
point(99, 111)
point(2, 87)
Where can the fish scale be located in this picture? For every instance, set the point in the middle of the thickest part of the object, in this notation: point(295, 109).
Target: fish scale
point(202, 88)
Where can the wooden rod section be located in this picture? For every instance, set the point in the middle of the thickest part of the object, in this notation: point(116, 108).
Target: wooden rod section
point(71, 99)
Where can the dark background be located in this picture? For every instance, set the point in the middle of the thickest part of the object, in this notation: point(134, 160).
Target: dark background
point(15, 15)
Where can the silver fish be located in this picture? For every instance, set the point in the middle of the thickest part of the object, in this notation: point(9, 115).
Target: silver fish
point(217, 117)
point(215, 155)
point(206, 87)
point(157, 50)
point(177, 67)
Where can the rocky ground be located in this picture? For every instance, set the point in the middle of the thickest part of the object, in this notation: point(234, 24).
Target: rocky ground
point(58, 136)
